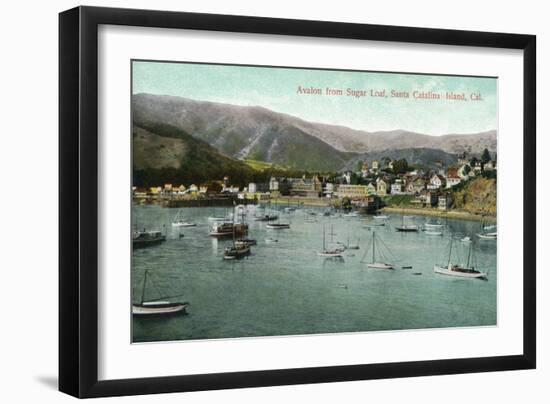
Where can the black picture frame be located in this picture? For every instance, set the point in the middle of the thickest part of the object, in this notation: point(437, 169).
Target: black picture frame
point(78, 200)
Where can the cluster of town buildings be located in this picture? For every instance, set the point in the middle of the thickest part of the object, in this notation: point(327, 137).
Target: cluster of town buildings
point(377, 180)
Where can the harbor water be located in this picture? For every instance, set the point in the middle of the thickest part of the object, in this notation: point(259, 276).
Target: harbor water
point(285, 288)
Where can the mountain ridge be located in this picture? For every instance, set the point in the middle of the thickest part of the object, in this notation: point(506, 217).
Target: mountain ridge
point(255, 132)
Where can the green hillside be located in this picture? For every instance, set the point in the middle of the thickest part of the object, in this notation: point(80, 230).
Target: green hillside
point(165, 154)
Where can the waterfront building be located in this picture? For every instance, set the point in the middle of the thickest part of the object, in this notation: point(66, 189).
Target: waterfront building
point(397, 187)
point(352, 191)
point(381, 187)
point(304, 187)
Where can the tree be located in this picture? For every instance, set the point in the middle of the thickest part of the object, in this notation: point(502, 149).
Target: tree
point(485, 156)
point(400, 166)
point(359, 165)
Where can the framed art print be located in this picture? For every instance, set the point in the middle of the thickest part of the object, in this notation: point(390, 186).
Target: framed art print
point(250, 202)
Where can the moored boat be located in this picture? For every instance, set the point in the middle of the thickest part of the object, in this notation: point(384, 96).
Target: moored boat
point(147, 238)
point(266, 218)
point(157, 307)
point(488, 236)
point(466, 270)
point(225, 229)
point(330, 252)
point(180, 222)
point(236, 252)
point(278, 226)
point(377, 260)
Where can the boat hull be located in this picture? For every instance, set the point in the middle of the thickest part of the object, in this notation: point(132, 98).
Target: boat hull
point(278, 226)
point(330, 254)
point(487, 236)
point(236, 253)
point(159, 309)
point(380, 265)
point(407, 229)
point(147, 243)
point(469, 275)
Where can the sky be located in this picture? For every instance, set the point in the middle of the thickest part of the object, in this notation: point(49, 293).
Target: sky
point(278, 89)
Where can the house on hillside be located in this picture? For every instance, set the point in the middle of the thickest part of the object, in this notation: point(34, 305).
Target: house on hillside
point(452, 178)
point(381, 187)
point(397, 187)
point(437, 181)
point(415, 185)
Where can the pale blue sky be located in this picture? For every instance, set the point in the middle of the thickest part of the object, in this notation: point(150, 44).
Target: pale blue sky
point(276, 89)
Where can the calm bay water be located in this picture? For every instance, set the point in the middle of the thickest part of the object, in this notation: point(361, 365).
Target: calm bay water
point(284, 288)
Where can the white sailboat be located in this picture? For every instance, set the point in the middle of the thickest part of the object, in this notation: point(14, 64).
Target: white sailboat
point(180, 222)
point(377, 263)
point(466, 270)
point(156, 307)
point(407, 228)
point(329, 253)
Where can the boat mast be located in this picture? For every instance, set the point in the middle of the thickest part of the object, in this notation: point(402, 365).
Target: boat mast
point(450, 250)
point(469, 255)
point(324, 248)
point(373, 243)
point(143, 289)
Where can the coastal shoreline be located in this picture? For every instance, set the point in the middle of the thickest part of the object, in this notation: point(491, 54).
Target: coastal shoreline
point(450, 214)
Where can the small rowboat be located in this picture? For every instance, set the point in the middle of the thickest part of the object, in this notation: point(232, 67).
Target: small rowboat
point(278, 226)
point(488, 236)
point(433, 233)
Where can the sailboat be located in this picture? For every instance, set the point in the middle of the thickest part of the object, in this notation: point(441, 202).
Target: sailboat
point(406, 227)
point(179, 222)
point(329, 253)
point(278, 225)
point(156, 307)
point(460, 270)
point(374, 263)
